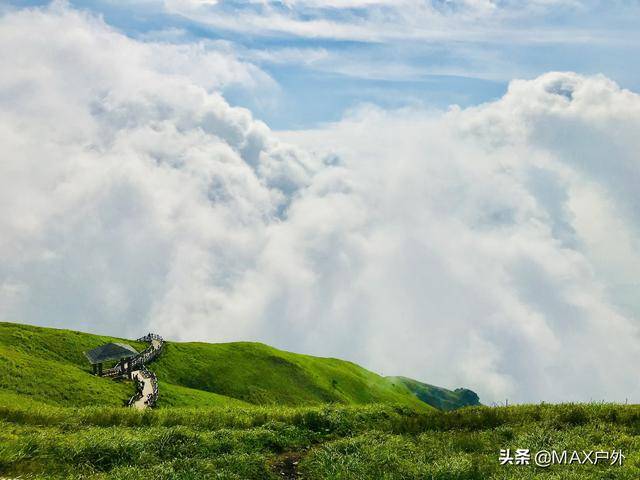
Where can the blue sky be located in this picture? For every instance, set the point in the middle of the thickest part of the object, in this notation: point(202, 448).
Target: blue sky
point(328, 56)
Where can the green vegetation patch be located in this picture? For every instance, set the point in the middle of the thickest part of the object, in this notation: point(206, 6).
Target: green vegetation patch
point(259, 374)
point(329, 442)
point(48, 365)
point(439, 397)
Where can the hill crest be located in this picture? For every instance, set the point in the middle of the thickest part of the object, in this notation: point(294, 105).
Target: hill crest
point(197, 374)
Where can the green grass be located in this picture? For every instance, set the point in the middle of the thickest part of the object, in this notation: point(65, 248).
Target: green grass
point(439, 397)
point(176, 395)
point(327, 442)
point(48, 365)
point(248, 411)
point(259, 374)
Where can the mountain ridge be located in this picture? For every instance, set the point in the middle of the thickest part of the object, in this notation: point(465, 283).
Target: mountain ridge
point(48, 365)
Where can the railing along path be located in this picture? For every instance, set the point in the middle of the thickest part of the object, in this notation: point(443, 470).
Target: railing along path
point(145, 380)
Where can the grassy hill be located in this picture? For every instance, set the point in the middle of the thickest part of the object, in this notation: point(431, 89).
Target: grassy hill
point(48, 365)
point(259, 374)
point(439, 397)
point(248, 411)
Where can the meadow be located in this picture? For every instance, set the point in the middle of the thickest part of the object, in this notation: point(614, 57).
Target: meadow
point(249, 411)
point(322, 442)
point(48, 365)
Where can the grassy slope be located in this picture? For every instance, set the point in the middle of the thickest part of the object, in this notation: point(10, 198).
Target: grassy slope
point(367, 442)
point(260, 374)
point(48, 365)
point(439, 397)
point(240, 441)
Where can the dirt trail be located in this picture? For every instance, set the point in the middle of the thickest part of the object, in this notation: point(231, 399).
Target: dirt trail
point(286, 465)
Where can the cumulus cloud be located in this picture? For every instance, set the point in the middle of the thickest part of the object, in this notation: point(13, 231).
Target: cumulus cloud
point(125, 174)
point(488, 256)
point(481, 247)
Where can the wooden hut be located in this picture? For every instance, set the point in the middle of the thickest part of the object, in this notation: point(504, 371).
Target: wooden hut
point(111, 352)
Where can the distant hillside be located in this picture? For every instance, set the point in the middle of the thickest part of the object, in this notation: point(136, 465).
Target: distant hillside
point(48, 365)
point(439, 397)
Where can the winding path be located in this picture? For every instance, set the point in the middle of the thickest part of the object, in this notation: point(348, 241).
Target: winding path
point(146, 381)
point(147, 389)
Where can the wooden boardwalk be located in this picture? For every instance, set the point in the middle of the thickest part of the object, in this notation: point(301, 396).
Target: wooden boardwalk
point(147, 389)
point(146, 381)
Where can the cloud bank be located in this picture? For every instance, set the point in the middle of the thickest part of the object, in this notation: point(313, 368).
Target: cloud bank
point(494, 247)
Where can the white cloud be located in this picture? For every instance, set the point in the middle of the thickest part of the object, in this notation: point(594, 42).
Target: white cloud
point(462, 248)
point(416, 39)
point(487, 235)
point(486, 21)
point(124, 174)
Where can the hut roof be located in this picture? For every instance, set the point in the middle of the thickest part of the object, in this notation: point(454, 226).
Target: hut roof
point(110, 351)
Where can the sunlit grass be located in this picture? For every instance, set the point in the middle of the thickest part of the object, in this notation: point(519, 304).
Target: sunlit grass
point(332, 441)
